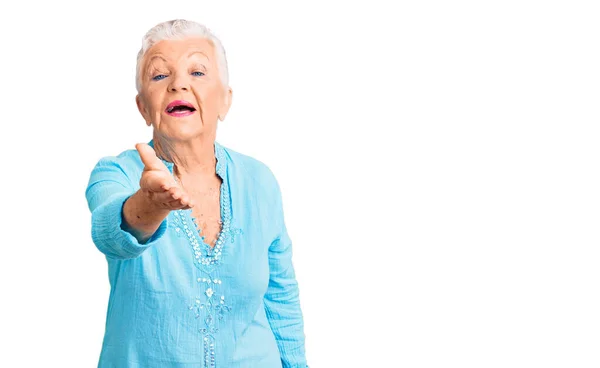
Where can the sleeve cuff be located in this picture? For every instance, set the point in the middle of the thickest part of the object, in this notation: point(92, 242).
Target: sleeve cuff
point(112, 239)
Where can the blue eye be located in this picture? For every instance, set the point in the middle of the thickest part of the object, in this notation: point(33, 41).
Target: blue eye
point(197, 74)
point(159, 77)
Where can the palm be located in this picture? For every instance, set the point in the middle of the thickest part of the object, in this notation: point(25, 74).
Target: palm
point(157, 182)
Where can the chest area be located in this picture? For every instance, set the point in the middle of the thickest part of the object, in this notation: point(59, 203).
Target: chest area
point(206, 213)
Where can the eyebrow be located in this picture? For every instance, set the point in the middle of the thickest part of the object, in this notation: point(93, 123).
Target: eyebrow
point(149, 62)
point(198, 52)
point(157, 57)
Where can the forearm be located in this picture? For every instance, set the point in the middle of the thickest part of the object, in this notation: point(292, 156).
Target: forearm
point(285, 318)
point(124, 223)
point(282, 304)
point(141, 217)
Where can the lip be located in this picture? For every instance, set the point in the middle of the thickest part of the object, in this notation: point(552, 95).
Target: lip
point(180, 113)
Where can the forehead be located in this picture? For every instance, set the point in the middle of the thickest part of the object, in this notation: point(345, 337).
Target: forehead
point(176, 50)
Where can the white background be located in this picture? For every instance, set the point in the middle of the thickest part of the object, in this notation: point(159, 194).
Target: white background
point(439, 163)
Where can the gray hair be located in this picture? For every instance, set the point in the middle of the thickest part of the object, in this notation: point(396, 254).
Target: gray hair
point(178, 29)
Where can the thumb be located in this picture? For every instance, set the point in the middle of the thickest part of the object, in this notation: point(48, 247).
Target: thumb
point(149, 158)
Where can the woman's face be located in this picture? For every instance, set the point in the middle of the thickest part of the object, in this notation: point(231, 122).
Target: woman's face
point(182, 95)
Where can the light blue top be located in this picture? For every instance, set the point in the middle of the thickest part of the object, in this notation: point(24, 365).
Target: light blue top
point(175, 301)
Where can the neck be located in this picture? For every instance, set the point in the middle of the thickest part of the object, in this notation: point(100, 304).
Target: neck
point(190, 157)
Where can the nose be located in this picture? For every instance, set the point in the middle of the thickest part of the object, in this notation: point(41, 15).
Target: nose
point(179, 83)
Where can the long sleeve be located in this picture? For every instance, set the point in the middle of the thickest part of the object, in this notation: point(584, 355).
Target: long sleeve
point(282, 300)
point(106, 193)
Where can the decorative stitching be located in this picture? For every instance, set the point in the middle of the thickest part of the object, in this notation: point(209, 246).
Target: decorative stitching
point(210, 304)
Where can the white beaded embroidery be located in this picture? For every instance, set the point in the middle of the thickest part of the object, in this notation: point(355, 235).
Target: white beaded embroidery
point(206, 259)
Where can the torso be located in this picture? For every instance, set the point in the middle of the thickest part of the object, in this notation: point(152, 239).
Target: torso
point(207, 209)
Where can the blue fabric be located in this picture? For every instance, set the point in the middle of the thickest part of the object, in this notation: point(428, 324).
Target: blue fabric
point(176, 302)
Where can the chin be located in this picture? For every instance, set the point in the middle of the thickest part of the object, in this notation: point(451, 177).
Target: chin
point(184, 133)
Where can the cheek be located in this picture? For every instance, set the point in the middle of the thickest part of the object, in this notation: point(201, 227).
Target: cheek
point(152, 99)
point(209, 99)
point(156, 102)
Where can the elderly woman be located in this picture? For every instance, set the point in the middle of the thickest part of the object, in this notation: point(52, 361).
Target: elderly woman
point(199, 259)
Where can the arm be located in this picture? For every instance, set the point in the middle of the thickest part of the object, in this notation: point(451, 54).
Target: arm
point(141, 217)
point(108, 193)
point(282, 300)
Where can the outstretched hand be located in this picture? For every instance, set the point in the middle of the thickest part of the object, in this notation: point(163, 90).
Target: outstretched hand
point(157, 183)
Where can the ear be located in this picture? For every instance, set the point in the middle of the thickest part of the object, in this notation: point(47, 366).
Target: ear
point(141, 105)
point(226, 104)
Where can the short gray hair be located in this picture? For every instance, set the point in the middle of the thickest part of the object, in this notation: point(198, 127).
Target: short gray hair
point(178, 29)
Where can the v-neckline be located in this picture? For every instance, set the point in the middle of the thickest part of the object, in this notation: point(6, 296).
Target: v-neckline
point(194, 220)
point(208, 255)
point(213, 254)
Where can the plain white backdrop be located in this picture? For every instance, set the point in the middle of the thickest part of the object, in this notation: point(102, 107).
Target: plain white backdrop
point(439, 163)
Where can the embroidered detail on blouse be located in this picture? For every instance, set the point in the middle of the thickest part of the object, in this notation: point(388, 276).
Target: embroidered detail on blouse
point(177, 224)
point(209, 351)
point(213, 306)
point(210, 304)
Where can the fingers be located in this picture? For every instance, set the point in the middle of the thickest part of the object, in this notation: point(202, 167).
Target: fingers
point(179, 204)
point(174, 198)
point(157, 181)
point(178, 195)
point(149, 158)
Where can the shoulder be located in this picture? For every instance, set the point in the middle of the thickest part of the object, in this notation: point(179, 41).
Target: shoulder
point(123, 166)
point(252, 168)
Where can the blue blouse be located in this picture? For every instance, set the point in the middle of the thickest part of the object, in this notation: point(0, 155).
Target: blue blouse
point(177, 302)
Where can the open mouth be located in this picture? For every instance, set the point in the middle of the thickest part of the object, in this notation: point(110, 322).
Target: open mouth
point(180, 108)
